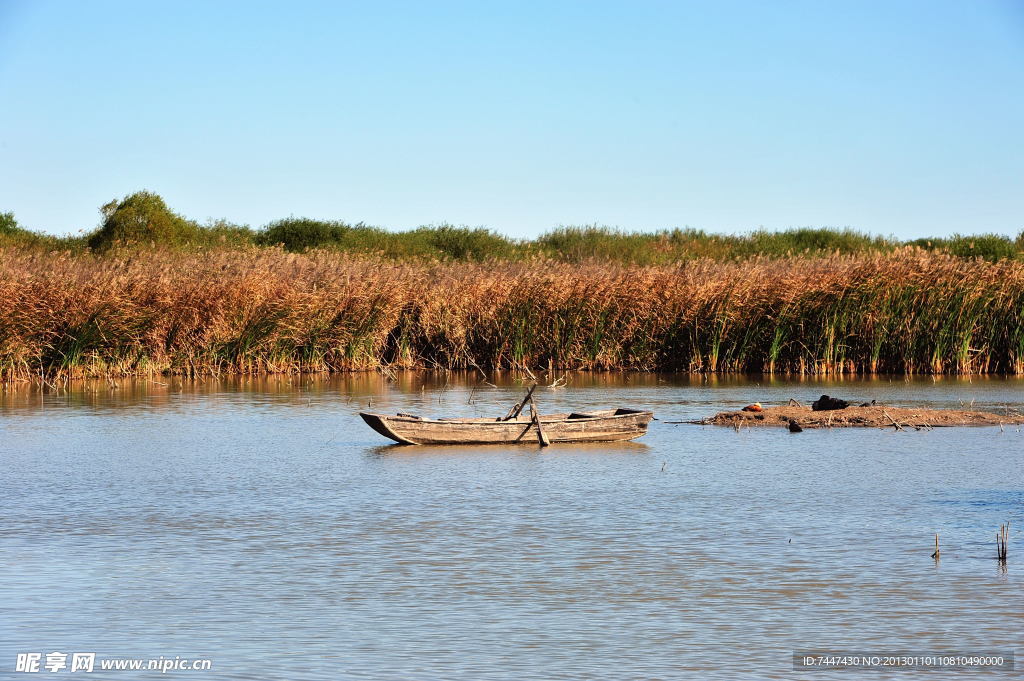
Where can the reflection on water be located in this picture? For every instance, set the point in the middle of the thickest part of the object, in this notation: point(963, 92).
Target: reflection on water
point(441, 393)
point(527, 448)
point(260, 523)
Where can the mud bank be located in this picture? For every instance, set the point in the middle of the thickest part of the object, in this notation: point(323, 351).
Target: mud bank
point(871, 417)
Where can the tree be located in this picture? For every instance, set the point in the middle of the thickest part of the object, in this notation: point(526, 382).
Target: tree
point(142, 217)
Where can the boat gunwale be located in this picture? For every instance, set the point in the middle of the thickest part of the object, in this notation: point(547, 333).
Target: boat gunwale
point(555, 418)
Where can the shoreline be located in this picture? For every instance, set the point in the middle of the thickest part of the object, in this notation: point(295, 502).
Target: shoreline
point(471, 376)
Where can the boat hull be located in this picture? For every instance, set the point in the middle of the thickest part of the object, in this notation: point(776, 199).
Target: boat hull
point(603, 426)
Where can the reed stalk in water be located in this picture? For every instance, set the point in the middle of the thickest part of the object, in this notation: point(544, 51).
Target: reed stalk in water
point(1002, 541)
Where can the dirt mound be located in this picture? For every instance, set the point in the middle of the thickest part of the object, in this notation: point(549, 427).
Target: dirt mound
point(873, 417)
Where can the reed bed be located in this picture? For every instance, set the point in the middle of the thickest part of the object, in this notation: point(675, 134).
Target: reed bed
point(265, 310)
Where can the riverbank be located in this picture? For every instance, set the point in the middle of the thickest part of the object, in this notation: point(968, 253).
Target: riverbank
point(253, 311)
point(865, 417)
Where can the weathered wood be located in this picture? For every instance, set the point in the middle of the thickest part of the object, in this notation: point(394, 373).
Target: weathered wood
point(514, 411)
point(592, 426)
point(893, 421)
point(541, 437)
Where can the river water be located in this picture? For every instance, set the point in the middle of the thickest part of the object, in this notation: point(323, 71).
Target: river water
point(260, 524)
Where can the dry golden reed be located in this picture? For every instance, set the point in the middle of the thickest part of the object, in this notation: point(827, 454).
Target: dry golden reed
point(140, 312)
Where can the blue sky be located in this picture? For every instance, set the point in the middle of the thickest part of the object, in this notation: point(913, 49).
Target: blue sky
point(903, 118)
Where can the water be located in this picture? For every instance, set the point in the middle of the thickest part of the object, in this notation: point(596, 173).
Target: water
point(262, 525)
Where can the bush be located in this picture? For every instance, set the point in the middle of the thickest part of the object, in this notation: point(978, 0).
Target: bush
point(812, 240)
point(444, 242)
point(143, 218)
point(991, 247)
point(301, 234)
point(988, 246)
point(8, 225)
point(578, 244)
point(13, 235)
point(222, 232)
point(460, 243)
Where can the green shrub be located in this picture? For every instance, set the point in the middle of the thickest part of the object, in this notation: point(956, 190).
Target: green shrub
point(222, 232)
point(142, 218)
point(301, 234)
point(988, 246)
point(577, 244)
point(13, 235)
point(460, 243)
point(444, 242)
point(8, 225)
point(811, 240)
point(991, 247)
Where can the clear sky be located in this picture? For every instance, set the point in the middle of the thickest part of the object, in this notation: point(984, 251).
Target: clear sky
point(896, 117)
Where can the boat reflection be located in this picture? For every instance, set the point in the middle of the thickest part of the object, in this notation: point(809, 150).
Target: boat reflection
point(397, 451)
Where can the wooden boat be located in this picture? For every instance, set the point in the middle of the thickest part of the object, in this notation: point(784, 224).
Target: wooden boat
point(606, 425)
